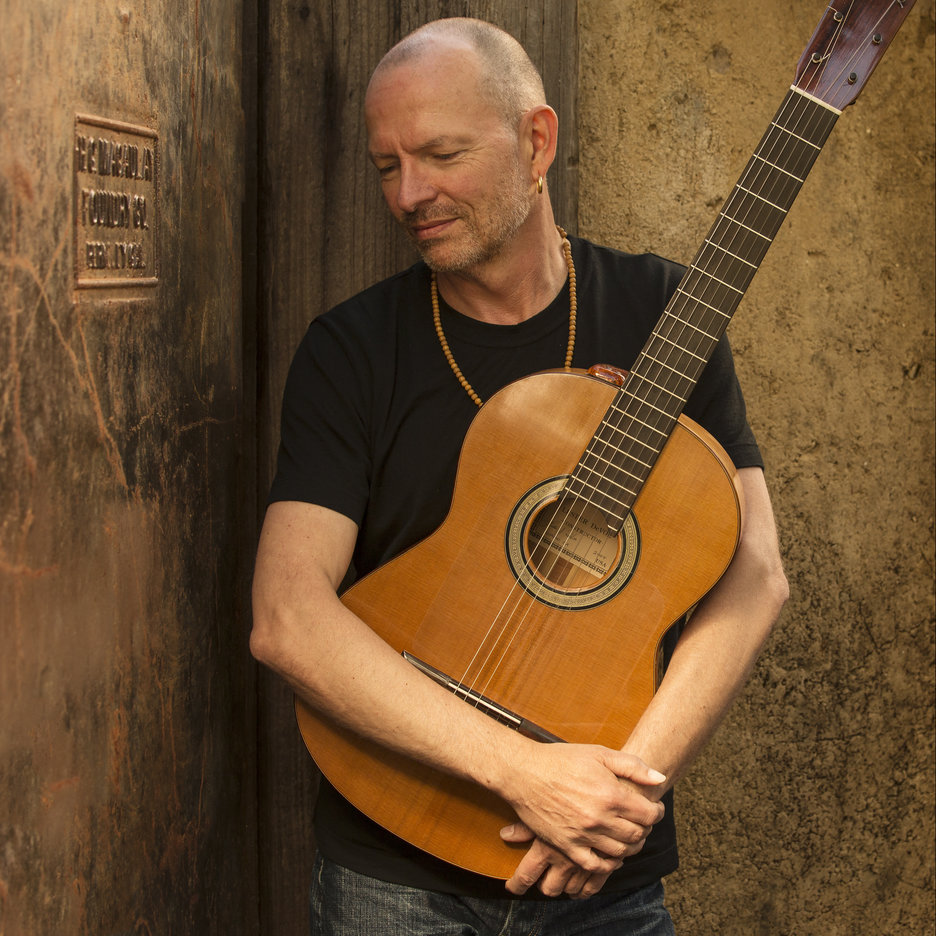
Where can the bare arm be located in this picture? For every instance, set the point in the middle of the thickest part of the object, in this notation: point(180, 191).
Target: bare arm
point(709, 667)
point(569, 794)
point(717, 650)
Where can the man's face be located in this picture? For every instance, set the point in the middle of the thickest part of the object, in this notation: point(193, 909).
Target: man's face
point(449, 164)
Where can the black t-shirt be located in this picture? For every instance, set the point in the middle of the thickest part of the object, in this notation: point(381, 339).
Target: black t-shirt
point(373, 423)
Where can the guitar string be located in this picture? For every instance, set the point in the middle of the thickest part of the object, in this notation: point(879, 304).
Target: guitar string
point(774, 158)
point(750, 206)
point(556, 548)
point(754, 212)
point(754, 205)
point(675, 328)
point(750, 213)
point(530, 606)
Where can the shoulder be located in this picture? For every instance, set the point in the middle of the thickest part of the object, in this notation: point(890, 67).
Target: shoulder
point(613, 270)
point(612, 261)
point(359, 335)
point(612, 281)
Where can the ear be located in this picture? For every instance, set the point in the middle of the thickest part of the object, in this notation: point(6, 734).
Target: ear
point(540, 134)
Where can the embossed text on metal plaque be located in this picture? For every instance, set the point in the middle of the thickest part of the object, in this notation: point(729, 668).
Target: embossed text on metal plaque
point(116, 209)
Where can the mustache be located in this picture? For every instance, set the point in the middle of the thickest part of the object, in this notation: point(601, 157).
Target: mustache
point(429, 213)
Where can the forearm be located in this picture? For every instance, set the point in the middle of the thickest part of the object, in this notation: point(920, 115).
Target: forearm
point(717, 650)
point(341, 668)
point(568, 793)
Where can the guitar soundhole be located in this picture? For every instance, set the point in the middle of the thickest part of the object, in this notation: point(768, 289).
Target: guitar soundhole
point(561, 550)
point(570, 545)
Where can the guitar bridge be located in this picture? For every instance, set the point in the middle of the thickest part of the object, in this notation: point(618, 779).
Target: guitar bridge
point(503, 715)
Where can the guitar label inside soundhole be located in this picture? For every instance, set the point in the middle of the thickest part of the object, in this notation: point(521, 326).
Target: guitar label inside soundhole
point(561, 551)
point(565, 537)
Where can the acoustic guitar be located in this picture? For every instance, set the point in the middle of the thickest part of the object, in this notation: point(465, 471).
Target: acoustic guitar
point(587, 518)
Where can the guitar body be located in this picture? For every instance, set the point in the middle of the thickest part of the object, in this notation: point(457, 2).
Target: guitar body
point(530, 601)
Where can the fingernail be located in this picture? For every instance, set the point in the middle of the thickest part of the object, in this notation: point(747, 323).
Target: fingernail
point(656, 776)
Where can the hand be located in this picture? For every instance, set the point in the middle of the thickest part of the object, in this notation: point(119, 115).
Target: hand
point(550, 869)
point(584, 803)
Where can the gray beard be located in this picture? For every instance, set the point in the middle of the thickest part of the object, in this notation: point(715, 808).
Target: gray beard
point(487, 243)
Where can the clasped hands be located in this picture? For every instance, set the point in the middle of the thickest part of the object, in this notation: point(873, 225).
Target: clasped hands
point(583, 808)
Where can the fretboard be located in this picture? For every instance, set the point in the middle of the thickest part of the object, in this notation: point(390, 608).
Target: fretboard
point(638, 423)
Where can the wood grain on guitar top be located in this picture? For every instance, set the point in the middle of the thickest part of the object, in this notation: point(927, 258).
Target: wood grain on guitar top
point(585, 672)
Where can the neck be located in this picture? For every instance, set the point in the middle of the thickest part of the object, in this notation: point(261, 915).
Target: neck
point(515, 285)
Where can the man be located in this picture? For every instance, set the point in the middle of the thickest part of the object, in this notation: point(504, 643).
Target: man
point(379, 397)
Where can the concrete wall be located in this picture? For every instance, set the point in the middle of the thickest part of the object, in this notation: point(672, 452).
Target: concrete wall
point(125, 768)
point(812, 811)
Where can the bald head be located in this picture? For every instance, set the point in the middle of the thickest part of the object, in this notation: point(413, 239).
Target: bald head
point(507, 77)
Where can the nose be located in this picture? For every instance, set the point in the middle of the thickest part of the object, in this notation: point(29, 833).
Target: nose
point(414, 187)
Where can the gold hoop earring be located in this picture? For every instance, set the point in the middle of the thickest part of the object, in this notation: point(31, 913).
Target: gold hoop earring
point(539, 186)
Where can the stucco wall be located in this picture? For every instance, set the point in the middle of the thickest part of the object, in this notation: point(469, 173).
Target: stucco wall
point(812, 810)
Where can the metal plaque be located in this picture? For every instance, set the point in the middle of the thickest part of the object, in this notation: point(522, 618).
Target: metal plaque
point(115, 203)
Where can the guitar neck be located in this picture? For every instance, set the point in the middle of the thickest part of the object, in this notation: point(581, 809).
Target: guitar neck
point(644, 412)
point(844, 50)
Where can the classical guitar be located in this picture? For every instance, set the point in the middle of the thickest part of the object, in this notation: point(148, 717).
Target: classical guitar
point(569, 551)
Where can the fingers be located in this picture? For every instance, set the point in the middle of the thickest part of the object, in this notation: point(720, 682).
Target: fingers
point(608, 841)
point(553, 874)
point(608, 851)
point(630, 767)
point(582, 886)
point(517, 832)
point(532, 867)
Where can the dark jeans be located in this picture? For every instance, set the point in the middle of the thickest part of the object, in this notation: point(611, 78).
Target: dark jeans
point(345, 903)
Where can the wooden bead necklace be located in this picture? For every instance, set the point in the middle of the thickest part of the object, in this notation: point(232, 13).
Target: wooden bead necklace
point(573, 310)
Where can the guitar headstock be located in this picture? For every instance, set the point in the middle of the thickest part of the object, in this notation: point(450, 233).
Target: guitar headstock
point(846, 46)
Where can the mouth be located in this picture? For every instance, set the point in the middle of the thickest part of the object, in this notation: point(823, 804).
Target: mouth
point(426, 230)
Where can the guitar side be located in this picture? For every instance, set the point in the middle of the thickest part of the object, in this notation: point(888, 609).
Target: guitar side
point(584, 672)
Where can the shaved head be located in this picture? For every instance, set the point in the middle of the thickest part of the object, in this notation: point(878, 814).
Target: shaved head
point(507, 76)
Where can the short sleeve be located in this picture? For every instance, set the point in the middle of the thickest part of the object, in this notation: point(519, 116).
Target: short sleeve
point(324, 453)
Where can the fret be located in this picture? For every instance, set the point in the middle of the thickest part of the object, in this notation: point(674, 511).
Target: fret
point(627, 442)
point(625, 446)
point(597, 460)
point(614, 511)
point(678, 371)
point(598, 487)
point(747, 227)
point(761, 198)
point(700, 302)
point(780, 169)
point(679, 348)
point(717, 279)
point(733, 256)
point(796, 136)
point(754, 214)
point(668, 349)
point(714, 309)
point(602, 485)
point(682, 323)
point(676, 399)
point(649, 384)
